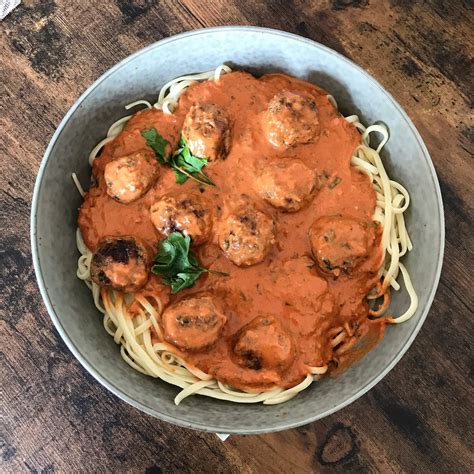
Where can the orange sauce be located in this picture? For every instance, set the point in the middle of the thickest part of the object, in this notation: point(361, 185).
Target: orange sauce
point(310, 304)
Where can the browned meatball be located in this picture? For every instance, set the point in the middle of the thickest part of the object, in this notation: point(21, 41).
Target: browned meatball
point(121, 263)
point(247, 236)
point(187, 213)
point(286, 184)
point(264, 344)
point(193, 324)
point(206, 130)
point(340, 243)
point(291, 119)
point(130, 177)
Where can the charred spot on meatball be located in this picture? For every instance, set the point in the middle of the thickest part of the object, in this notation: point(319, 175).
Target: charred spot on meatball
point(207, 132)
point(263, 343)
point(121, 263)
point(130, 177)
point(340, 243)
point(291, 119)
point(194, 323)
point(187, 213)
point(286, 184)
point(247, 236)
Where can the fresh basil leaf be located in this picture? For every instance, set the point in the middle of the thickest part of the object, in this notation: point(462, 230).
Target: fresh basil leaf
point(156, 142)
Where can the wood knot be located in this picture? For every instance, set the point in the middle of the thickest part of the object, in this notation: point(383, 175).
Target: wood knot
point(339, 446)
point(153, 470)
point(343, 4)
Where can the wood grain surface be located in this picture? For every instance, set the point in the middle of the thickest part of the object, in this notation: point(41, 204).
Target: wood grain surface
point(56, 418)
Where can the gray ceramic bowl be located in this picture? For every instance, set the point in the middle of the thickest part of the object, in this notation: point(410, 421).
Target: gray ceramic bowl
point(55, 203)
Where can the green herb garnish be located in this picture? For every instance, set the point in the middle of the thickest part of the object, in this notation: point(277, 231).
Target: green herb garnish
point(177, 264)
point(185, 164)
point(155, 141)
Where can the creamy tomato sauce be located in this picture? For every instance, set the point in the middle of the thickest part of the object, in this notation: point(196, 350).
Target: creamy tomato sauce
point(302, 304)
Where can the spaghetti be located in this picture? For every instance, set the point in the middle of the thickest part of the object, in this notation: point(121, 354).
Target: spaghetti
point(139, 333)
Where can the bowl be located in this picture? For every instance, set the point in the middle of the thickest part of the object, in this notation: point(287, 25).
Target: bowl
point(141, 75)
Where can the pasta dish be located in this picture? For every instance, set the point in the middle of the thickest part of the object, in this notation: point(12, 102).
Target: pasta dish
point(241, 237)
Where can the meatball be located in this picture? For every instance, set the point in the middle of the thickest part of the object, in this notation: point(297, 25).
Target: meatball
point(193, 324)
point(187, 213)
point(121, 263)
point(287, 184)
point(130, 177)
point(291, 119)
point(206, 130)
point(247, 236)
point(264, 344)
point(340, 243)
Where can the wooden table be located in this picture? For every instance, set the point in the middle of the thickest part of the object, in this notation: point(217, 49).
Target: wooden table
point(58, 419)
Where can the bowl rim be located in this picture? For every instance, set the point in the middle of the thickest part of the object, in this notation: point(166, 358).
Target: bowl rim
point(109, 384)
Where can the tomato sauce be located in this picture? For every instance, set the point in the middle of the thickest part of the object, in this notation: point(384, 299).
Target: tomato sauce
point(311, 305)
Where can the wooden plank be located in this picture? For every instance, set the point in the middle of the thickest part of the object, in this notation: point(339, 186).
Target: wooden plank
point(58, 419)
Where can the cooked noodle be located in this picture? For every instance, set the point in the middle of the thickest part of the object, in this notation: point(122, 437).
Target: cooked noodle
point(392, 201)
point(139, 334)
